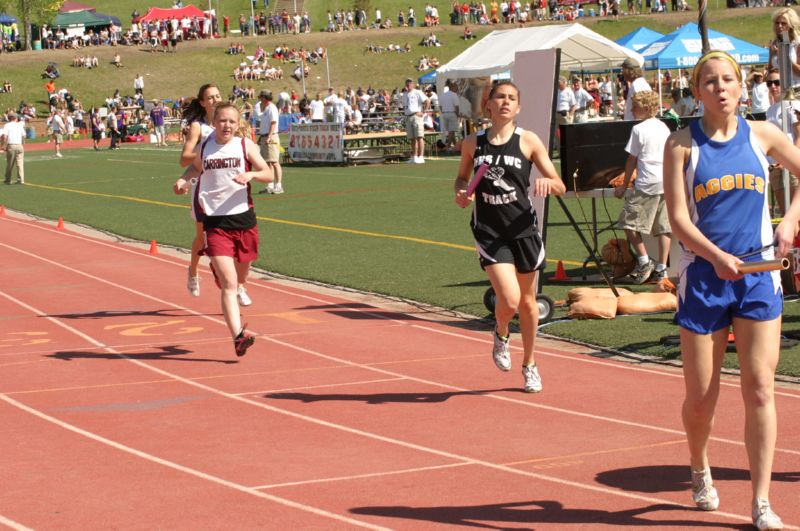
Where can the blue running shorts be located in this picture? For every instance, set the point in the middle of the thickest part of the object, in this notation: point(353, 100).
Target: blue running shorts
point(707, 303)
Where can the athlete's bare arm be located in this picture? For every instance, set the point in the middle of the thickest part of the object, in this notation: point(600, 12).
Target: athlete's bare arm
point(465, 171)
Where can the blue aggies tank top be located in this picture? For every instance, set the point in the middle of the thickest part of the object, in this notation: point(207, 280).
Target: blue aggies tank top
point(503, 208)
point(727, 188)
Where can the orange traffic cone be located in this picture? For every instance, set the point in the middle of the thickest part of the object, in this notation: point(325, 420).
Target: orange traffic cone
point(60, 225)
point(561, 275)
point(153, 248)
point(2, 211)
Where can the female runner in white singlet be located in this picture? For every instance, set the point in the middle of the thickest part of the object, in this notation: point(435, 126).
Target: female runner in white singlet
point(504, 221)
point(716, 189)
point(227, 163)
point(198, 115)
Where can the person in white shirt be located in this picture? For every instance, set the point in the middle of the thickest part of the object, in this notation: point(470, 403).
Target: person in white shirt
point(414, 104)
point(328, 101)
point(645, 211)
point(448, 121)
point(606, 96)
point(566, 104)
point(270, 142)
point(138, 84)
point(317, 107)
point(632, 73)
point(12, 138)
point(340, 107)
point(59, 128)
point(583, 100)
point(775, 115)
point(759, 96)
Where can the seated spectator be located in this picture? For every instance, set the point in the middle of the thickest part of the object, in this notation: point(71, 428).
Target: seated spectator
point(117, 60)
point(467, 34)
point(434, 62)
point(430, 40)
point(423, 64)
point(51, 72)
point(7, 87)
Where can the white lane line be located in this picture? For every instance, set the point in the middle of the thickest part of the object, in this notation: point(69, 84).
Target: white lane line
point(13, 525)
point(384, 371)
point(185, 469)
point(576, 357)
point(362, 476)
point(322, 386)
point(312, 420)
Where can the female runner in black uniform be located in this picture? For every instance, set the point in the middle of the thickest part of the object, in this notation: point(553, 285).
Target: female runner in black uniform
point(504, 221)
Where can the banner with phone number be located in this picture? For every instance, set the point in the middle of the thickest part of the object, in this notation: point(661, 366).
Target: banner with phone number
point(316, 142)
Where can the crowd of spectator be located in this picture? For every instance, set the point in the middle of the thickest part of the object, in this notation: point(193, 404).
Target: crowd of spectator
point(259, 69)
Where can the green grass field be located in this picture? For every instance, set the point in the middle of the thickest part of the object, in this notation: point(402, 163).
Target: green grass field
point(389, 229)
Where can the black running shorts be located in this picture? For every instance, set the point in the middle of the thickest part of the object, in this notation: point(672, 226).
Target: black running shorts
point(527, 254)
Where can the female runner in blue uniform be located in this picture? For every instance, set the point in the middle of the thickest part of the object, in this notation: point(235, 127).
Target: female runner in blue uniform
point(716, 189)
point(504, 221)
point(227, 163)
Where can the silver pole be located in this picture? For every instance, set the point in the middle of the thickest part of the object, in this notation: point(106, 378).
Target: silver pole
point(787, 82)
point(328, 66)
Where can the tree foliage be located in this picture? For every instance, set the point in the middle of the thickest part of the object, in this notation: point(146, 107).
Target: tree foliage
point(35, 12)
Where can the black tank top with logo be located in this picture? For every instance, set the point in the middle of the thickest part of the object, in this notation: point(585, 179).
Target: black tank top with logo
point(503, 209)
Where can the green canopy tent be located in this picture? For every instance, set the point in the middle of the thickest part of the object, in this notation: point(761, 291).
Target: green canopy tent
point(80, 19)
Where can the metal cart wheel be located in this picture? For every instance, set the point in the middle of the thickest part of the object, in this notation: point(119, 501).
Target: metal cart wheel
point(546, 305)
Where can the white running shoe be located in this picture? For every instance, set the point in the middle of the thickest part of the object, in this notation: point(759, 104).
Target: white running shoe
point(193, 284)
point(59, 155)
point(278, 189)
point(533, 382)
point(703, 492)
point(419, 160)
point(500, 352)
point(764, 517)
point(244, 298)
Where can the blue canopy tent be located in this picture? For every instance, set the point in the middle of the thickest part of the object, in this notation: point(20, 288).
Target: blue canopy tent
point(639, 39)
point(428, 78)
point(683, 48)
point(111, 18)
point(7, 20)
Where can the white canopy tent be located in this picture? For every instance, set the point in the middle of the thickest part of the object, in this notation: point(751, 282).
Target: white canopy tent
point(581, 49)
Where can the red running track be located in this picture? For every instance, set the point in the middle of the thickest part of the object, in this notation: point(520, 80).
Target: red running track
point(122, 405)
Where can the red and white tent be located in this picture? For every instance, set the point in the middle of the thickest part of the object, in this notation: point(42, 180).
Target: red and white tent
point(157, 13)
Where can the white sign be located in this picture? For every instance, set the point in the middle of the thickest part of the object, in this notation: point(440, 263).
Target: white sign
point(316, 142)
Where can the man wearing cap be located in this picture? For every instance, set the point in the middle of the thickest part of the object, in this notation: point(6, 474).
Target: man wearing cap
point(759, 96)
point(269, 142)
point(415, 103)
point(635, 81)
point(583, 100)
point(12, 137)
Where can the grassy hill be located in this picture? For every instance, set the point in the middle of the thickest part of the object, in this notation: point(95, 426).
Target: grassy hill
point(195, 63)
